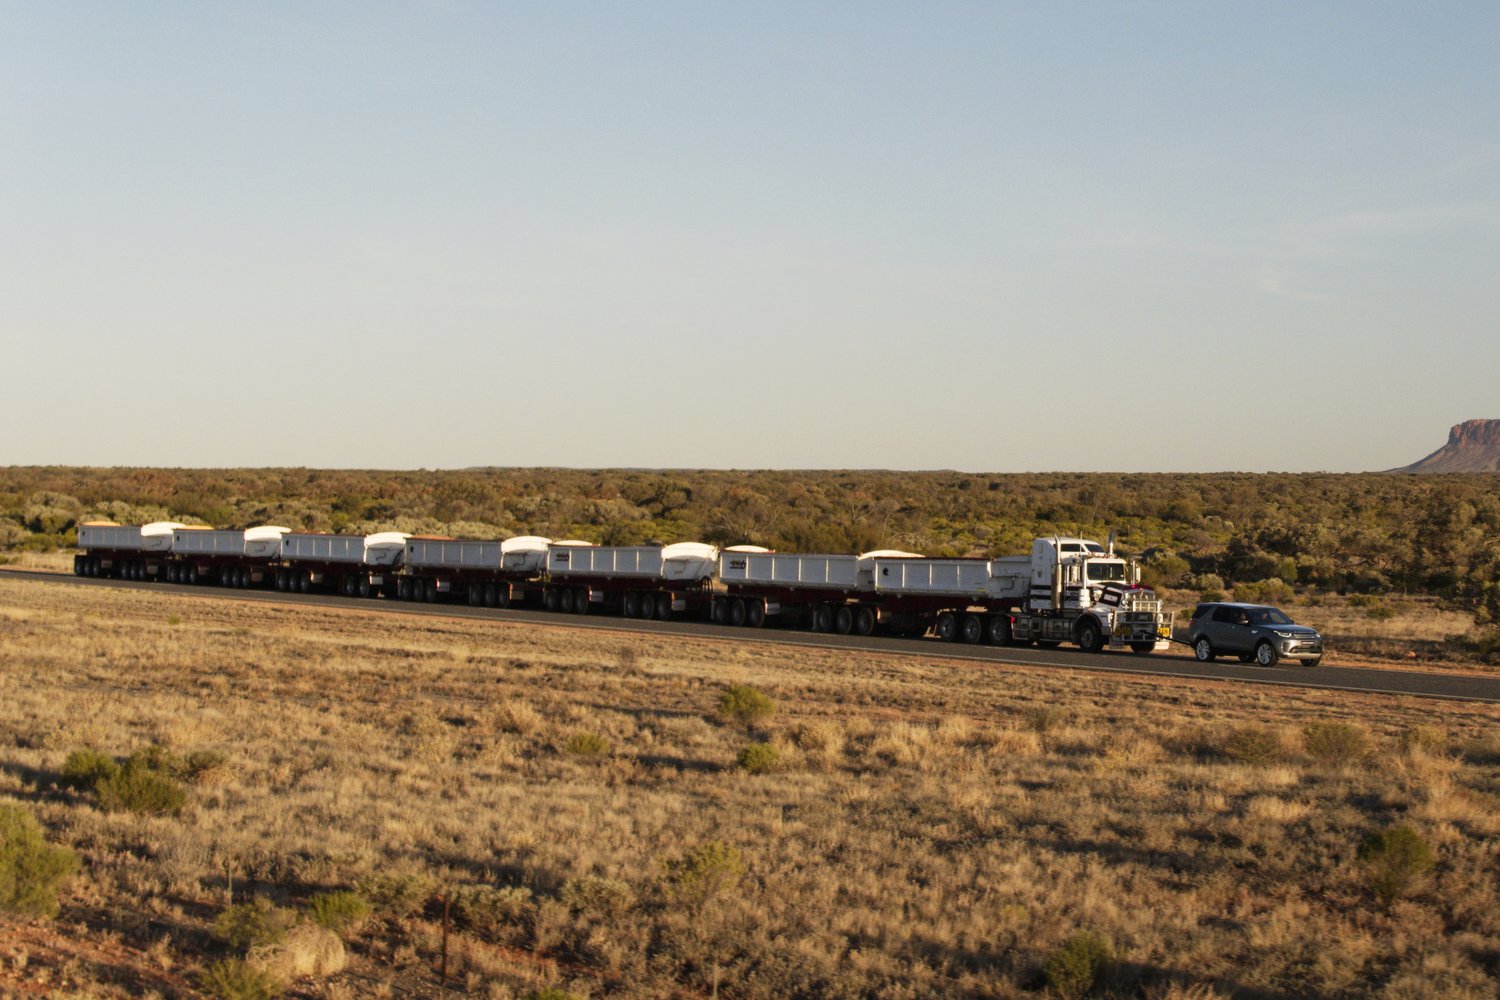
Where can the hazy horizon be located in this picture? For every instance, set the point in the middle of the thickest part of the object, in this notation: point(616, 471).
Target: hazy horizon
point(1006, 238)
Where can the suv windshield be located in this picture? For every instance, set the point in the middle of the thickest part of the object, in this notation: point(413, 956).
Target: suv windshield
point(1106, 571)
point(1268, 616)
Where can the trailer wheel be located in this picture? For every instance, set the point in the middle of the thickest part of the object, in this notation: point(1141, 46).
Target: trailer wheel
point(864, 620)
point(307, 585)
point(1090, 640)
point(997, 630)
point(581, 601)
point(502, 595)
point(718, 611)
point(755, 613)
point(946, 628)
point(843, 619)
point(192, 574)
point(663, 606)
point(737, 613)
point(819, 618)
point(971, 629)
point(362, 587)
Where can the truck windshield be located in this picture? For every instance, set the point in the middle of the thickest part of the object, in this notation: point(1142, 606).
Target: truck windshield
point(1106, 571)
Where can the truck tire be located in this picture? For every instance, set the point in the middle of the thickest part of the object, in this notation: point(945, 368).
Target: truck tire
point(946, 627)
point(1142, 648)
point(663, 607)
point(997, 630)
point(971, 629)
point(843, 619)
point(581, 601)
point(549, 599)
point(1090, 640)
point(821, 618)
point(737, 613)
point(864, 621)
point(565, 601)
point(1266, 655)
point(755, 613)
point(362, 587)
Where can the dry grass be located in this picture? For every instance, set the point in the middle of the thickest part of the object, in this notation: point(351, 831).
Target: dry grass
point(935, 829)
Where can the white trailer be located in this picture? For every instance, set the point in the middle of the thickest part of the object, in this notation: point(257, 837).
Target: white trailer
point(811, 587)
point(486, 573)
point(353, 565)
point(231, 557)
point(640, 581)
point(127, 551)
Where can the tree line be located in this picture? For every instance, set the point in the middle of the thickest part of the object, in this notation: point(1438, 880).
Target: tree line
point(1353, 533)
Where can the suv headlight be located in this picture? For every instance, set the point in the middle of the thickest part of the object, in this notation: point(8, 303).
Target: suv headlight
point(1286, 635)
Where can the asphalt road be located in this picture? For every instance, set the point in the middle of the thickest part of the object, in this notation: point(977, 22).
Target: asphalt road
point(1451, 686)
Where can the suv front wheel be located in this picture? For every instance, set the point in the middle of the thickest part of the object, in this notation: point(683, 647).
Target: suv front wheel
point(1203, 650)
point(1266, 655)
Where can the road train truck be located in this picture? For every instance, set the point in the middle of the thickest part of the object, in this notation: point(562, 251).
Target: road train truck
point(1066, 590)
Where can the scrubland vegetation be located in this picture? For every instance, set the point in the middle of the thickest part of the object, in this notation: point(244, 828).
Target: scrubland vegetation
point(601, 814)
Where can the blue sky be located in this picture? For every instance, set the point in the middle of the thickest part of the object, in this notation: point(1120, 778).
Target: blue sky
point(998, 237)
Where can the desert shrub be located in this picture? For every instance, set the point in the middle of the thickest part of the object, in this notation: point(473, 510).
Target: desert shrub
point(1336, 743)
point(1211, 595)
point(32, 872)
point(745, 705)
point(760, 758)
point(587, 744)
point(339, 911)
point(1423, 739)
point(397, 894)
point(551, 993)
point(144, 783)
point(85, 768)
point(1251, 745)
point(235, 979)
point(1393, 860)
point(1075, 968)
point(488, 908)
point(1045, 718)
point(258, 922)
point(205, 767)
point(1381, 613)
point(1363, 600)
point(139, 787)
point(1270, 591)
point(701, 873)
point(597, 896)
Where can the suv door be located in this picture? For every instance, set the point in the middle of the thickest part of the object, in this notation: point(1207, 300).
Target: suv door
point(1229, 630)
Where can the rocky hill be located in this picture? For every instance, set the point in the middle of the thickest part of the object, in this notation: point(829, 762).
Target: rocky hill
point(1473, 446)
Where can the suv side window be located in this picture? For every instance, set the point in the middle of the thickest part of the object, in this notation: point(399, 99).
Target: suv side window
point(1226, 615)
point(1199, 611)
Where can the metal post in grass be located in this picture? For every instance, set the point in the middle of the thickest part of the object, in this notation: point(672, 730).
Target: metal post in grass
point(443, 972)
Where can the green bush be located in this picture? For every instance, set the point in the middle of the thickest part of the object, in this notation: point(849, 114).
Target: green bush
point(760, 758)
point(1075, 968)
point(139, 789)
point(1252, 745)
point(587, 744)
point(397, 894)
point(597, 896)
point(236, 979)
point(339, 911)
point(85, 768)
point(1336, 743)
point(703, 872)
point(32, 872)
point(551, 993)
point(257, 922)
point(745, 705)
point(1393, 860)
point(144, 783)
point(488, 908)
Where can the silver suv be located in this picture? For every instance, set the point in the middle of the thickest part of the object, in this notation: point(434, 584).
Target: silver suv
point(1251, 632)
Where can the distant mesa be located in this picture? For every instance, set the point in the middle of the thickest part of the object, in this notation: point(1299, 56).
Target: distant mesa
point(1473, 446)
